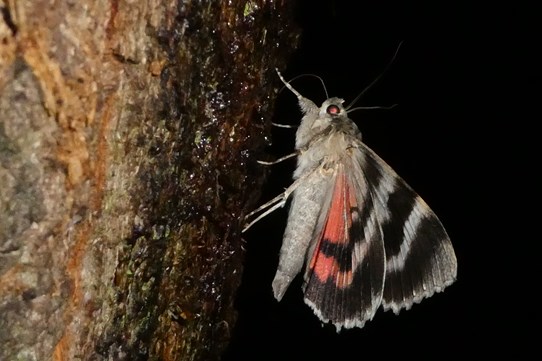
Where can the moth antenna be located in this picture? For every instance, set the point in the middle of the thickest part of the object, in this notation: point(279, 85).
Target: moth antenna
point(374, 107)
point(376, 79)
point(314, 76)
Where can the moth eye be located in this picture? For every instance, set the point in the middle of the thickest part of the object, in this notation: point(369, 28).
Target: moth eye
point(333, 110)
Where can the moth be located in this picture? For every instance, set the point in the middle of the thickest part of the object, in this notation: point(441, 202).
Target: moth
point(362, 235)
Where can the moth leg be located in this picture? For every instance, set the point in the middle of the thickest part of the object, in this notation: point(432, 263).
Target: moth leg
point(278, 160)
point(283, 125)
point(273, 204)
point(277, 202)
point(287, 85)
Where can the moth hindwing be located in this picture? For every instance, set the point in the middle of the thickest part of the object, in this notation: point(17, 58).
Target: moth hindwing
point(363, 236)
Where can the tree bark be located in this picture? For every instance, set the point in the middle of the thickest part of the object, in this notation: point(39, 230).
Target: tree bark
point(128, 137)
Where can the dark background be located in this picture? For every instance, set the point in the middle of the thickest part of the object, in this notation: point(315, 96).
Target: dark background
point(467, 83)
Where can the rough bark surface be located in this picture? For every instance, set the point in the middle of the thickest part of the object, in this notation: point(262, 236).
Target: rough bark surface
point(127, 138)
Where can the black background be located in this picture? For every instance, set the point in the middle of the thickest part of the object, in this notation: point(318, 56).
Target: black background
point(467, 83)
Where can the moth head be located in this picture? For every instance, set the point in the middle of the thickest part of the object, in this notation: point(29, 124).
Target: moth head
point(332, 108)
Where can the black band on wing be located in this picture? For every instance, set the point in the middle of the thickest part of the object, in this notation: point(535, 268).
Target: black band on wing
point(343, 251)
point(354, 303)
point(419, 256)
point(400, 205)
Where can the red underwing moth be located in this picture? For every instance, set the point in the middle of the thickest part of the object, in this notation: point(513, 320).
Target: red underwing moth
point(364, 236)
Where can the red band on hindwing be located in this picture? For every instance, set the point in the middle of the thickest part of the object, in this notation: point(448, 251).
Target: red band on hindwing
point(336, 232)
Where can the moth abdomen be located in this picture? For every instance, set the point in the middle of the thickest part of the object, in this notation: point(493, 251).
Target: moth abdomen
point(302, 217)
